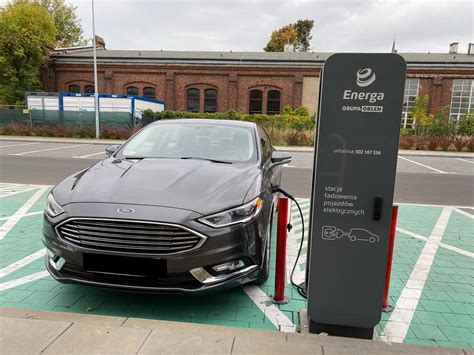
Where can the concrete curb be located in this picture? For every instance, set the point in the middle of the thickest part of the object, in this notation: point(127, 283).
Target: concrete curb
point(59, 332)
point(417, 153)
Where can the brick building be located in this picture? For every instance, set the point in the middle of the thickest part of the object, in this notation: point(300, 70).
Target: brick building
point(249, 82)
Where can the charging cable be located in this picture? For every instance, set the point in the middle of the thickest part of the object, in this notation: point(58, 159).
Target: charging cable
point(301, 288)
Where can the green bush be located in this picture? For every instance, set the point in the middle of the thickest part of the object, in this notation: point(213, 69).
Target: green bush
point(452, 148)
point(404, 132)
point(298, 120)
point(465, 126)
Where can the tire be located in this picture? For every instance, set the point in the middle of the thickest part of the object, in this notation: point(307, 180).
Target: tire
point(265, 272)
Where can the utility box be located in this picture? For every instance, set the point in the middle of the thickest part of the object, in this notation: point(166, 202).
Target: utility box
point(355, 163)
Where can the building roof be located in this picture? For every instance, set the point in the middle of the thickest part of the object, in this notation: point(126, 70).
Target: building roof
point(244, 58)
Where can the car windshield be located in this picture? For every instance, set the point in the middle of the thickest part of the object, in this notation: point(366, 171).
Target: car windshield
point(215, 142)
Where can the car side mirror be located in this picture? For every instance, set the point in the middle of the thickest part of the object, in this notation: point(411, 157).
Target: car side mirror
point(111, 149)
point(280, 158)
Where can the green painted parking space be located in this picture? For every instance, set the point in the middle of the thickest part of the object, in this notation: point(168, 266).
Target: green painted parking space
point(443, 314)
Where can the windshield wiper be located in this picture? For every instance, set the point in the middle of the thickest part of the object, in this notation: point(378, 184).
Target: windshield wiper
point(211, 160)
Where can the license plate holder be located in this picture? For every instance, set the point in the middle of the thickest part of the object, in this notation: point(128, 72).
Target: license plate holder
point(125, 265)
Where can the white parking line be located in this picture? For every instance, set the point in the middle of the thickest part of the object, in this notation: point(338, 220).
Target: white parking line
point(25, 215)
point(13, 220)
point(272, 312)
point(467, 161)
point(22, 262)
point(88, 155)
point(443, 245)
point(397, 326)
point(423, 165)
point(23, 280)
point(48, 149)
point(16, 145)
point(464, 213)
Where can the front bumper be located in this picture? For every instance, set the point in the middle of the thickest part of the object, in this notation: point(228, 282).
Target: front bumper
point(239, 242)
point(174, 284)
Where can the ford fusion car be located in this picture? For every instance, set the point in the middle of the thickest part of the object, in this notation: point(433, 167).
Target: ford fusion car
point(182, 206)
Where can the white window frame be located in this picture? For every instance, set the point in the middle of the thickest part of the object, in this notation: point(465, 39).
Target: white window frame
point(409, 84)
point(456, 113)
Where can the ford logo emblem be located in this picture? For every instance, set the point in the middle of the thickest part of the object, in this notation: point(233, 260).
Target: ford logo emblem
point(125, 210)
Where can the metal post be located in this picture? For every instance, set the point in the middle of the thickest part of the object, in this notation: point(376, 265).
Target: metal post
point(393, 227)
point(280, 263)
point(96, 89)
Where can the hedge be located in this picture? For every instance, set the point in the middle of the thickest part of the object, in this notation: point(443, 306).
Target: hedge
point(297, 120)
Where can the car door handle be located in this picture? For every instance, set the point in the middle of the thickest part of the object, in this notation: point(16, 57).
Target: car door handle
point(378, 203)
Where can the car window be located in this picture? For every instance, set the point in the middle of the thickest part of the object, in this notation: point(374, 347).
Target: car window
point(193, 140)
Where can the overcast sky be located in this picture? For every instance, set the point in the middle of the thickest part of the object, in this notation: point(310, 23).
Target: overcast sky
point(246, 25)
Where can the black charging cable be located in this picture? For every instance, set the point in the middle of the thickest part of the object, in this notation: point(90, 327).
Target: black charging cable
point(301, 288)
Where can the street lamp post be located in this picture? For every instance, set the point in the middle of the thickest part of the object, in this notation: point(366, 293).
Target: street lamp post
point(96, 90)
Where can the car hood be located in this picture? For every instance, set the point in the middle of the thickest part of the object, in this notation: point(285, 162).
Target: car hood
point(198, 185)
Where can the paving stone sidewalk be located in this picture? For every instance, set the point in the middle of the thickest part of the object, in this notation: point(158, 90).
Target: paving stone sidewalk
point(56, 333)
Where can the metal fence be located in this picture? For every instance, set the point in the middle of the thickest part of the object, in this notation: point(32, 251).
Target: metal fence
point(66, 118)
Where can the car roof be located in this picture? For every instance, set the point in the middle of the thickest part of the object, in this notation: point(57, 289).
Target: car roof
point(233, 123)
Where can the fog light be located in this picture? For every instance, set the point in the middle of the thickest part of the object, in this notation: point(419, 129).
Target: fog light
point(230, 266)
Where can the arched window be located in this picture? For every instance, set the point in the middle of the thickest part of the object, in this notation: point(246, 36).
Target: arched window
point(75, 89)
point(89, 89)
point(210, 100)
point(149, 92)
point(255, 102)
point(273, 102)
point(132, 90)
point(193, 100)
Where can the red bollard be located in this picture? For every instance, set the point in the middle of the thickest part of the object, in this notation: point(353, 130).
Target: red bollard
point(280, 263)
point(393, 227)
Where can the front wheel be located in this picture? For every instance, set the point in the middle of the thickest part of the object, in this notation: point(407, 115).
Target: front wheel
point(266, 259)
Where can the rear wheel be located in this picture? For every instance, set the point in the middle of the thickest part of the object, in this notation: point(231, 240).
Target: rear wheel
point(266, 258)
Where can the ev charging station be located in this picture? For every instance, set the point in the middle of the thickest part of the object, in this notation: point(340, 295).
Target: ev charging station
point(353, 184)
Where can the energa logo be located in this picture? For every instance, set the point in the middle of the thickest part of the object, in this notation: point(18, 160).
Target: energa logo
point(365, 77)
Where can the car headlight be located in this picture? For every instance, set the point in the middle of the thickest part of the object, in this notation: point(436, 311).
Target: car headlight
point(235, 215)
point(52, 207)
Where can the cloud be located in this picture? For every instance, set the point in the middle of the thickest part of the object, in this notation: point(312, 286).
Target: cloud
point(246, 25)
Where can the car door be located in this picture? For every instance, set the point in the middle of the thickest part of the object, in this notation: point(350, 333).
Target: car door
point(269, 176)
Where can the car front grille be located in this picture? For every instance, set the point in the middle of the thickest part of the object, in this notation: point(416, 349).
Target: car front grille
point(124, 236)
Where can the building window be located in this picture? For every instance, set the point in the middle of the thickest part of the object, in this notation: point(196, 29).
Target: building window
point(89, 89)
point(132, 90)
point(255, 102)
point(149, 93)
point(193, 100)
point(462, 101)
point(75, 89)
point(411, 92)
point(210, 100)
point(273, 102)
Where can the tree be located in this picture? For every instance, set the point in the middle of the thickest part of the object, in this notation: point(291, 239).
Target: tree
point(297, 34)
point(285, 35)
point(68, 27)
point(26, 30)
point(303, 34)
point(420, 116)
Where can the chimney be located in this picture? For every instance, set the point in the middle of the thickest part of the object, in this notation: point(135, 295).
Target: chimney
point(99, 42)
point(289, 47)
point(470, 49)
point(453, 47)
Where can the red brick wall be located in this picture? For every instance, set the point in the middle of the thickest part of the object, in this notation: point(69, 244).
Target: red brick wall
point(233, 83)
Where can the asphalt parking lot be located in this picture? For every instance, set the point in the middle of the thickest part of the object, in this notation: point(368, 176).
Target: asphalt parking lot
point(431, 284)
point(420, 179)
point(300, 160)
